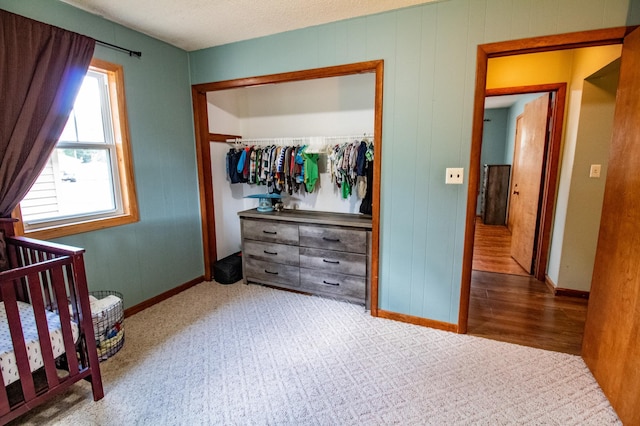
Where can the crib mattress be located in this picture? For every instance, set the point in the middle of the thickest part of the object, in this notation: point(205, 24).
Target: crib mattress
point(30, 331)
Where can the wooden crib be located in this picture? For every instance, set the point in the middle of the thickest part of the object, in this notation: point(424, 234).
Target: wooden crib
point(45, 298)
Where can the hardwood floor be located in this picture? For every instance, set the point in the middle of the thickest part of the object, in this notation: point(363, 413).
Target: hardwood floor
point(491, 250)
point(523, 310)
point(512, 306)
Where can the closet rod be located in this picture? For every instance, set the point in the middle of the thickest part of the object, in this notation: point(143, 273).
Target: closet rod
point(302, 139)
point(137, 54)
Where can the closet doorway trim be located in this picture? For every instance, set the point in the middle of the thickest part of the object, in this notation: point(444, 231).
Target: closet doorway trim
point(203, 137)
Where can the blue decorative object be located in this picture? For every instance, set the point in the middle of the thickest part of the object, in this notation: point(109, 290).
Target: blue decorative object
point(264, 201)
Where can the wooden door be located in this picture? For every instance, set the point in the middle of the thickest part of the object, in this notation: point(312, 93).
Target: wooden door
point(531, 142)
point(513, 202)
point(611, 345)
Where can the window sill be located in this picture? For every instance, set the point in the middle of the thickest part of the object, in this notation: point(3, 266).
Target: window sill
point(79, 227)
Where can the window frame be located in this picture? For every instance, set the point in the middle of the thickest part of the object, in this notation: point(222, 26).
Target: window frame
point(125, 181)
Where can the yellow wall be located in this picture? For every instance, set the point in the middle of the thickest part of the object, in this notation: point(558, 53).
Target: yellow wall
point(531, 69)
point(570, 66)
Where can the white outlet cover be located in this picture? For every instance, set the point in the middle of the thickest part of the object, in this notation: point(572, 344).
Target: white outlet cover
point(454, 175)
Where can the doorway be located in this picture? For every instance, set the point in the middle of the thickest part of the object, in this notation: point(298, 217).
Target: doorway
point(204, 136)
point(612, 316)
point(507, 302)
point(508, 316)
point(520, 189)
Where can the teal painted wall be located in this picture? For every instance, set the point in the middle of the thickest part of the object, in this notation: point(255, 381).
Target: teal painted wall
point(494, 136)
point(494, 139)
point(429, 53)
point(164, 249)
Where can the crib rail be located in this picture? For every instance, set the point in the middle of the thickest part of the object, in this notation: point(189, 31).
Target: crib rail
point(50, 277)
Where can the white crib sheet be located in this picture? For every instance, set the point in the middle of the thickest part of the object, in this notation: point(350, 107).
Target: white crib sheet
point(30, 331)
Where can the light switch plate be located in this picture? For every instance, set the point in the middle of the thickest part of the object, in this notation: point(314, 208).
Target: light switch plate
point(594, 172)
point(454, 175)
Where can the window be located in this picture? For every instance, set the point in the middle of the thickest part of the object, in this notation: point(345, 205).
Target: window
point(87, 183)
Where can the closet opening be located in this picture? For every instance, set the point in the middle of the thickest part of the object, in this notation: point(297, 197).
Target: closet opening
point(241, 108)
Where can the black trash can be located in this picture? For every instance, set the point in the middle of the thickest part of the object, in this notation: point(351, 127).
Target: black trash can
point(229, 269)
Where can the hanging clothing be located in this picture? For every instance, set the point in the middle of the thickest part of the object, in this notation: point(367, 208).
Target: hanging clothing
point(295, 169)
point(247, 162)
point(310, 170)
point(233, 156)
point(361, 159)
point(252, 165)
point(299, 176)
point(367, 201)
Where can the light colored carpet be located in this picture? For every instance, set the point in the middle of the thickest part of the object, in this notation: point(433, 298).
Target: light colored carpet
point(241, 354)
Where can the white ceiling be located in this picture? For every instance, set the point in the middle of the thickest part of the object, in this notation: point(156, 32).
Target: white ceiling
point(197, 24)
point(494, 102)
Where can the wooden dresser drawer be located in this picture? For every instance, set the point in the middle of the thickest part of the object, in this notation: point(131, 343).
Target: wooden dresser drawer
point(321, 253)
point(272, 252)
point(338, 285)
point(334, 261)
point(275, 232)
point(349, 240)
point(271, 273)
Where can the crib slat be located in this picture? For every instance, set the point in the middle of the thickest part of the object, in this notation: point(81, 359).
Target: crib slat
point(17, 338)
point(73, 296)
point(43, 330)
point(15, 259)
point(80, 285)
point(45, 286)
point(60, 292)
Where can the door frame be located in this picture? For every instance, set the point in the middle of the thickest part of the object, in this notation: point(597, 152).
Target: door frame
point(550, 166)
point(574, 40)
point(204, 137)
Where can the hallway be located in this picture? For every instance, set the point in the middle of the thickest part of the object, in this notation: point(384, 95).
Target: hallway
point(511, 306)
point(491, 250)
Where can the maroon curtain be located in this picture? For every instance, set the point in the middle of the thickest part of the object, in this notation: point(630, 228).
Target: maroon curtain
point(41, 70)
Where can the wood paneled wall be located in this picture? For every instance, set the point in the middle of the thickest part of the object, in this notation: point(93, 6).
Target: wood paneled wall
point(611, 345)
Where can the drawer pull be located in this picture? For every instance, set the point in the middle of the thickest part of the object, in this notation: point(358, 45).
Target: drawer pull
point(328, 283)
point(274, 253)
point(269, 272)
point(332, 240)
point(335, 262)
point(270, 232)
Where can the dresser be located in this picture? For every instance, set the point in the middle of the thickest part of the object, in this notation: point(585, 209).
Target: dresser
point(321, 253)
point(495, 194)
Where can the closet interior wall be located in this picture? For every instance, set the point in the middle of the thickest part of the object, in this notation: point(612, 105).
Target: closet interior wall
point(327, 107)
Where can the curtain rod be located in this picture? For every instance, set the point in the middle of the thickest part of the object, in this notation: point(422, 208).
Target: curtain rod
point(113, 46)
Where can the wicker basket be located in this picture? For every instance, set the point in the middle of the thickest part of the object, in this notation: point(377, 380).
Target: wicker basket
point(107, 314)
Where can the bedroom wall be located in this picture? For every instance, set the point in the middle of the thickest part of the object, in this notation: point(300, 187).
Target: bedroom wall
point(164, 249)
point(322, 107)
point(430, 62)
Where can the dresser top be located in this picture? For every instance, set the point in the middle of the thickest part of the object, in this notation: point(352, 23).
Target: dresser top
point(308, 216)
